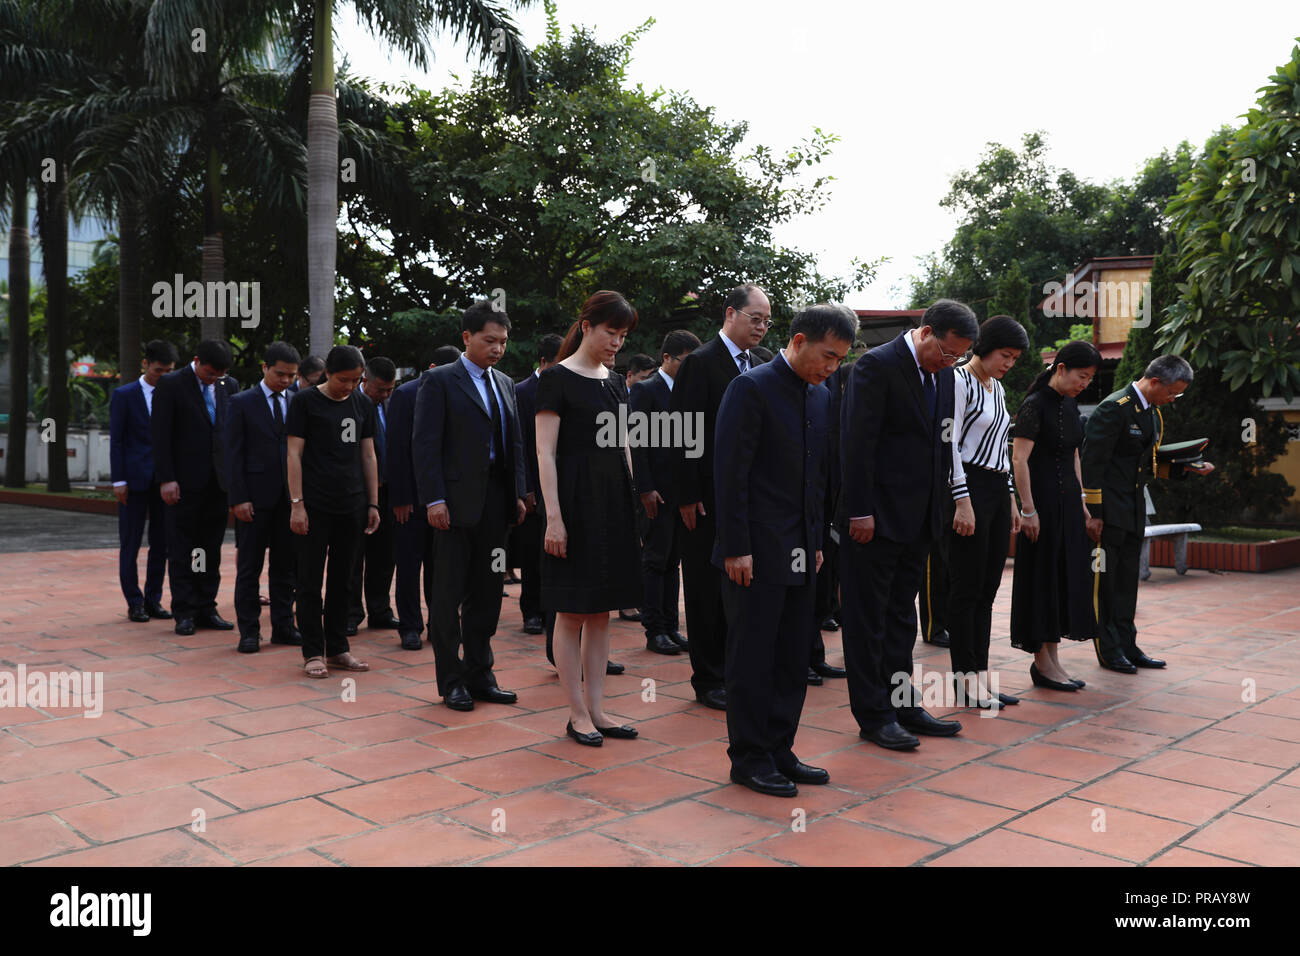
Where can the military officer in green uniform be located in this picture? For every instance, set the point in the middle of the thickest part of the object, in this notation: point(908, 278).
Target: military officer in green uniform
point(1118, 459)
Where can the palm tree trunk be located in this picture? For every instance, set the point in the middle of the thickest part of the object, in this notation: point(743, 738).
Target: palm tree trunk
point(214, 253)
point(20, 283)
point(52, 224)
point(128, 290)
point(322, 183)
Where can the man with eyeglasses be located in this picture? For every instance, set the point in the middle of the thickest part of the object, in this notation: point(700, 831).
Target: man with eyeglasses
point(697, 390)
point(1118, 458)
point(894, 467)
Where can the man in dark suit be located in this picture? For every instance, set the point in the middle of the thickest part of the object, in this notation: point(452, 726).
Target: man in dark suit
point(828, 578)
point(412, 536)
point(697, 391)
point(372, 572)
point(1118, 459)
point(469, 470)
point(894, 480)
point(653, 471)
point(135, 485)
point(526, 538)
point(770, 472)
point(188, 426)
point(258, 490)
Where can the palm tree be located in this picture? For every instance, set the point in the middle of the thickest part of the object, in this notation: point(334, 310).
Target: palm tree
point(406, 24)
point(19, 311)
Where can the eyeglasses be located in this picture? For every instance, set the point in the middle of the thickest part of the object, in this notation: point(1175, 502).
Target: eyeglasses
point(949, 358)
point(764, 323)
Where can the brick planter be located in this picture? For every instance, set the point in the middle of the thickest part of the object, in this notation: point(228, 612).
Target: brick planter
point(1229, 556)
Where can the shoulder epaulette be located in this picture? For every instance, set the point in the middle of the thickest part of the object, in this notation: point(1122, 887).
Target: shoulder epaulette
point(1122, 400)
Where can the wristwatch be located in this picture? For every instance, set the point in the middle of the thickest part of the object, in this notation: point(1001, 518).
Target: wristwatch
point(294, 501)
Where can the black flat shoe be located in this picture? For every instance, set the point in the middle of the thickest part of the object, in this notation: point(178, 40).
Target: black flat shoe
point(533, 625)
point(137, 613)
point(680, 640)
point(587, 740)
point(1078, 683)
point(213, 622)
point(891, 736)
point(1039, 680)
point(412, 641)
point(814, 679)
point(830, 670)
point(1143, 661)
point(249, 644)
point(389, 623)
point(802, 773)
point(1121, 665)
point(458, 699)
point(292, 637)
point(493, 695)
point(157, 611)
point(772, 783)
point(923, 723)
point(623, 732)
point(351, 629)
point(611, 668)
point(1007, 700)
point(830, 624)
point(184, 626)
point(624, 616)
point(661, 644)
point(717, 699)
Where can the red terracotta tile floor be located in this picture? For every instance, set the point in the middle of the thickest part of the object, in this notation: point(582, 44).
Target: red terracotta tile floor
point(203, 756)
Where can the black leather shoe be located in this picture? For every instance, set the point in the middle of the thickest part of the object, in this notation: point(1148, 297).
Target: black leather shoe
point(1039, 680)
point(388, 623)
point(680, 640)
point(661, 644)
point(351, 629)
point(830, 670)
point(1121, 664)
point(291, 636)
point(940, 640)
point(802, 773)
point(157, 611)
point(494, 695)
point(772, 783)
point(814, 679)
point(922, 723)
point(892, 736)
point(458, 698)
point(1143, 661)
point(622, 732)
point(1078, 683)
point(593, 739)
point(624, 616)
point(611, 668)
point(137, 613)
point(184, 626)
point(411, 641)
point(533, 625)
point(830, 624)
point(213, 622)
point(249, 643)
point(1007, 700)
point(717, 699)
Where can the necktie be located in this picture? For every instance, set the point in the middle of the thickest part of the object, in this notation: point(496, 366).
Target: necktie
point(930, 398)
point(743, 360)
point(276, 414)
point(495, 410)
point(210, 400)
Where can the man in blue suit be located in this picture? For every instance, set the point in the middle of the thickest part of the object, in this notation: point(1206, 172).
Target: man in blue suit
point(769, 468)
point(258, 489)
point(136, 486)
point(372, 572)
point(895, 463)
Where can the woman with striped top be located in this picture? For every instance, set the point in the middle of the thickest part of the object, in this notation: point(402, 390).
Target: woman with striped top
point(986, 513)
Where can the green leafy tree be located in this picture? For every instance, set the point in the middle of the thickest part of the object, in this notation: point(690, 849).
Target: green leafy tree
point(1012, 297)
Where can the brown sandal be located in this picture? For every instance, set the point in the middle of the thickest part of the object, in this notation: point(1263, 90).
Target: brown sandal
point(348, 662)
point(315, 667)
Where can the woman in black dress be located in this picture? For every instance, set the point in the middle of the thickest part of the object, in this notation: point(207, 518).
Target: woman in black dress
point(1051, 591)
point(591, 563)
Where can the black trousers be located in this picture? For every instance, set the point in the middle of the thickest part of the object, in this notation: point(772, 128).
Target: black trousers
point(268, 529)
point(1116, 587)
point(770, 630)
point(934, 582)
point(467, 594)
point(142, 506)
point(196, 527)
point(372, 573)
point(828, 582)
point(660, 563)
point(706, 618)
point(975, 571)
point(336, 537)
point(880, 581)
point(413, 551)
point(526, 539)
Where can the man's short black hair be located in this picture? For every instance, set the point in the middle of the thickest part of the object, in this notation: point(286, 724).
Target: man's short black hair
point(480, 314)
point(215, 353)
point(678, 342)
point(444, 355)
point(949, 315)
point(381, 369)
point(818, 321)
point(281, 352)
point(548, 346)
point(641, 363)
point(160, 350)
point(311, 365)
point(738, 297)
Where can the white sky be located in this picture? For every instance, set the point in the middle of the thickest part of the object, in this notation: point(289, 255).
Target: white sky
point(915, 90)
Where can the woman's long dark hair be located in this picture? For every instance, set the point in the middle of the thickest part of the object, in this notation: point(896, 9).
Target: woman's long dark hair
point(603, 308)
point(1072, 355)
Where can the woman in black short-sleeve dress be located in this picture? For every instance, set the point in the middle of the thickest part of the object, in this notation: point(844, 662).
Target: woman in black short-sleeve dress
point(591, 561)
point(1051, 591)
